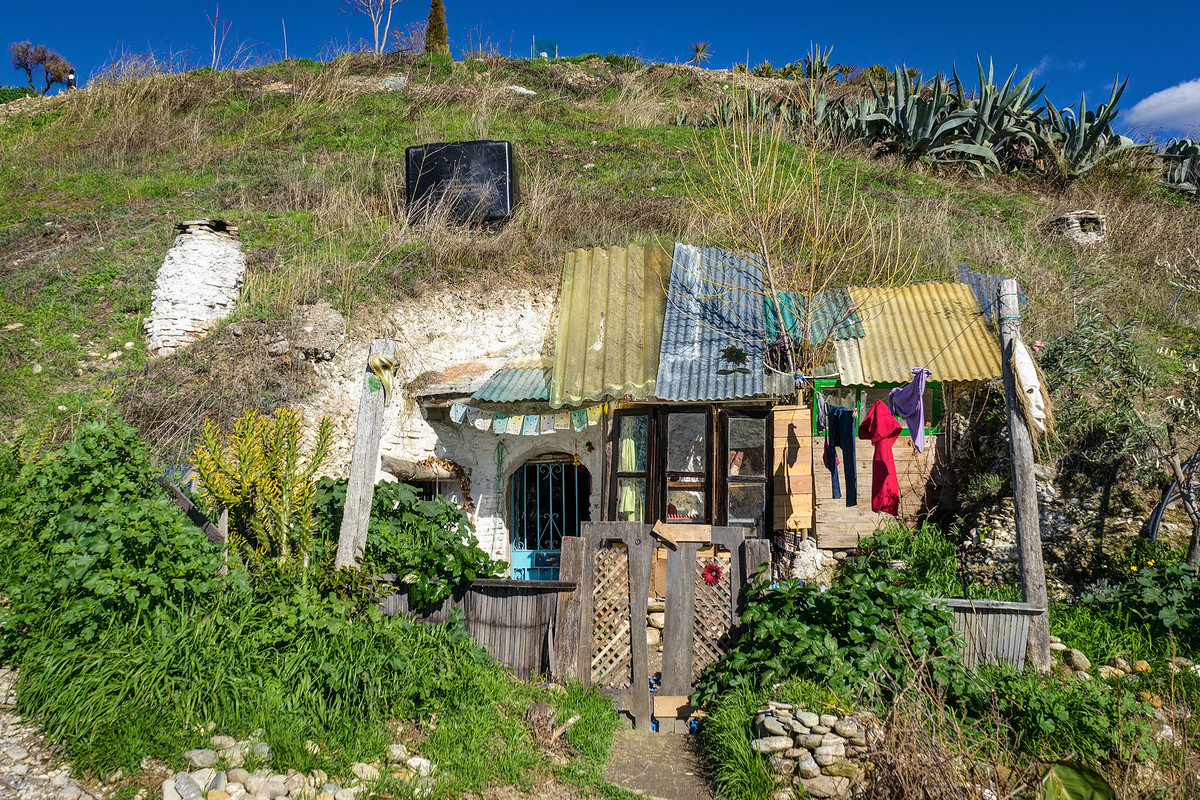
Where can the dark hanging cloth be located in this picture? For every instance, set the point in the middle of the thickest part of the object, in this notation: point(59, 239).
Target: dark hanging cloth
point(883, 430)
point(841, 434)
point(822, 408)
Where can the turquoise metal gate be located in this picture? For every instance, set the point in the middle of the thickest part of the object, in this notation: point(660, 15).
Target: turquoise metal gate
point(547, 498)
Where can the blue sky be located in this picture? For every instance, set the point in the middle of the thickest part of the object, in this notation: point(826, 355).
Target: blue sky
point(1074, 48)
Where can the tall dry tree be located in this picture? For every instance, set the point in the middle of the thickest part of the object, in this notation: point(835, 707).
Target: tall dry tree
point(780, 204)
point(30, 58)
point(380, 14)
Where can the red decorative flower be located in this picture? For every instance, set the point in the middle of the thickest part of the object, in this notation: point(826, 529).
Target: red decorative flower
point(711, 574)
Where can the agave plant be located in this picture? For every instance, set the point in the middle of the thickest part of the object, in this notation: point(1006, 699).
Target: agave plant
point(1181, 166)
point(1005, 121)
point(924, 121)
point(1078, 143)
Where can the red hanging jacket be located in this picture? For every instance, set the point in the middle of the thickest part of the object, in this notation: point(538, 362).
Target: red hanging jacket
point(883, 430)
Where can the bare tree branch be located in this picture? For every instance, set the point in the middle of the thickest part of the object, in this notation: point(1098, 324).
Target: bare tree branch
point(380, 14)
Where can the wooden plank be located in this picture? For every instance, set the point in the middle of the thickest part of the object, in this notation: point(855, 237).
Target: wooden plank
point(671, 706)
point(791, 444)
point(758, 552)
point(567, 626)
point(641, 558)
point(681, 610)
point(682, 532)
point(795, 483)
point(364, 464)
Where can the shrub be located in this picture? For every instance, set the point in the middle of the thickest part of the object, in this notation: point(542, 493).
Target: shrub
point(429, 544)
point(1164, 597)
point(261, 475)
point(763, 70)
point(859, 636)
point(623, 63)
point(1091, 720)
point(931, 564)
point(88, 537)
point(10, 93)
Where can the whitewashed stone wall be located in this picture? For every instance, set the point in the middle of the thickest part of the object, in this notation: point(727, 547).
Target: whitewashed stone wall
point(438, 330)
point(197, 286)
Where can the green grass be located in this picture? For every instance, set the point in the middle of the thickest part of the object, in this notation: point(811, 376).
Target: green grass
point(290, 668)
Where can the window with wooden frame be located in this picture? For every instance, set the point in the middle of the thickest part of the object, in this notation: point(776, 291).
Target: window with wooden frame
point(687, 465)
point(745, 447)
point(691, 465)
point(631, 462)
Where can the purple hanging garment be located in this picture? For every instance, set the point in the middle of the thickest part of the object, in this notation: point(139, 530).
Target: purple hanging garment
point(906, 401)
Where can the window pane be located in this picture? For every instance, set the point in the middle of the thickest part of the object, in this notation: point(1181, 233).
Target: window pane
point(685, 505)
point(634, 435)
point(685, 442)
point(747, 502)
point(631, 499)
point(747, 446)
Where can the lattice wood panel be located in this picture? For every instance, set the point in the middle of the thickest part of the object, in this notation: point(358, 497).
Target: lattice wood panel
point(711, 622)
point(612, 649)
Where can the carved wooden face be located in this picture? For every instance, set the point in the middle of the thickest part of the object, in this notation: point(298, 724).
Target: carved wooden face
point(1028, 382)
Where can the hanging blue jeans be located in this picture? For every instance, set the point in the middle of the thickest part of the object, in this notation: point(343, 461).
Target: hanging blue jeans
point(841, 434)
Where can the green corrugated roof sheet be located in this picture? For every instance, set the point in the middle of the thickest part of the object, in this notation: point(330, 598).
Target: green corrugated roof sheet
point(519, 379)
point(610, 323)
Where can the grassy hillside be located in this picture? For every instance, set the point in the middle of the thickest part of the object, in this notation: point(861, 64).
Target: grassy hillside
point(307, 158)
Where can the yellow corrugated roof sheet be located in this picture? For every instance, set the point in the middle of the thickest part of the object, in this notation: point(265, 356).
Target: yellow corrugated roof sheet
point(938, 325)
point(610, 323)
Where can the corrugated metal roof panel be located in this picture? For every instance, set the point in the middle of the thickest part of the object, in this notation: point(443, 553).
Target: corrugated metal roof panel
point(938, 325)
point(985, 285)
point(519, 379)
point(833, 316)
point(714, 303)
point(610, 322)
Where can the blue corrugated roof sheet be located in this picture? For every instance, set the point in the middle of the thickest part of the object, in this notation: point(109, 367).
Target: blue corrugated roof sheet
point(985, 285)
point(714, 303)
point(833, 318)
point(519, 379)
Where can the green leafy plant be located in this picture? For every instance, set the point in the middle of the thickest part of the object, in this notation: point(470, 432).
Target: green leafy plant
point(763, 70)
point(1068, 781)
point(260, 474)
point(928, 557)
point(1005, 121)
point(10, 93)
point(1164, 596)
point(860, 635)
point(88, 537)
point(1181, 166)
point(428, 544)
point(1080, 142)
point(701, 52)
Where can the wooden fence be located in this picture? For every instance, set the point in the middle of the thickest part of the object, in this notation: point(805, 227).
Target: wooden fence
point(512, 620)
point(601, 628)
point(994, 632)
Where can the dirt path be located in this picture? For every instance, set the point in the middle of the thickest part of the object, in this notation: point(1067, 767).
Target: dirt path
point(664, 766)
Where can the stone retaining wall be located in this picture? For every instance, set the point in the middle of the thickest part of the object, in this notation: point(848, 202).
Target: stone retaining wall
point(823, 753)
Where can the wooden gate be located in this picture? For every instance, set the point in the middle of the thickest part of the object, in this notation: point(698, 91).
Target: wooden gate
point(601, 631)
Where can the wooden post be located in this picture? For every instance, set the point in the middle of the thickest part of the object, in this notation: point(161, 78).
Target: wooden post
point(364, 463)
point(223, 529)
point(1029, 535)
point(570, 605)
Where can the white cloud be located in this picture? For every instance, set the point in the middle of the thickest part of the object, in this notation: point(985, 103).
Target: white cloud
point(1041, 65)
point(1174, 107)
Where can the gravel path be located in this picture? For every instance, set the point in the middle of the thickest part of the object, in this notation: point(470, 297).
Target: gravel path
point(30, 769)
